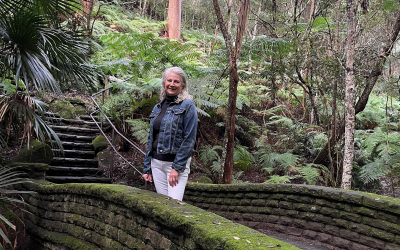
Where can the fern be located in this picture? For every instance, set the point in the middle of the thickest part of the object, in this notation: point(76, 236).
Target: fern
point(373, 171)
point(140, 129)
point(242, 158)
point(274, 161)
point(309, 174)
point(277, 179)
point(209, 153)
point(235, 178)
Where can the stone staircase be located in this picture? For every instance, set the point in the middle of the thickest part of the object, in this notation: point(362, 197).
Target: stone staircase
point(78, 164)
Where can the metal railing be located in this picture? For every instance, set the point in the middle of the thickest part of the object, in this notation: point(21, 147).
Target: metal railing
point(114, 130)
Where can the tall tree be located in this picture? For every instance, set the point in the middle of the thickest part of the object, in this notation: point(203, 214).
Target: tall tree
point(233, 54)
point(370, 81)
point(350, 115)
point(174, 19)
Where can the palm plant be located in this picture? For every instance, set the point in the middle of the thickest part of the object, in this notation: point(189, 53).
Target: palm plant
point(35, 47)
point(8, 177)
point(38, 50)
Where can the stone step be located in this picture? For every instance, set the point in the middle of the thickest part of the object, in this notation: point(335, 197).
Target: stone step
point(79, 179)
point(72, 122)
point(82, 154)
point(77, 145)
point(74, 162)
point(72, 171)
point(75, 130)
point(70, 138)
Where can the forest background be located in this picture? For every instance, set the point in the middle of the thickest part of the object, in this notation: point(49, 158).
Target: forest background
point(291, 86)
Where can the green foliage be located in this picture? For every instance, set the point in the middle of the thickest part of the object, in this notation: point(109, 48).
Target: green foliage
point(140, 129)
point(242, 158)
point(236, 180)
point(310, 172)
point(280, 162)
point(9, 177)
point(209, 154)
point(23, 115)
point(37, 50)
point(277, 179)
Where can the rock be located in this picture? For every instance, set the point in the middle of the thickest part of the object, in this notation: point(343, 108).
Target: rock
point(38, 152)
point(99, 143)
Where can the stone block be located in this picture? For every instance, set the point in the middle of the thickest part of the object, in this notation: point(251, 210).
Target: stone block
point(273, 219)
point(360, 228)
point(315, 226)
point(272, 203)
point(264, 210)
point(294, 231)
point(258, 202)
point(309, 234)
point(324, 238)
point(340, 242)
point(383, 235)
point(285, 205)
point(286, 221)
point(278, 211)
point(352, 197)
point(340, 223)
point(365, 211)
point(300, 223)
point(301, 207)
point(281, 228)
point(334, 213)
point(388, 217)
point(392, 246)
point(251, 195)
point(350, 216)
point(350, 235)
point(371, 242)
point(332, 230)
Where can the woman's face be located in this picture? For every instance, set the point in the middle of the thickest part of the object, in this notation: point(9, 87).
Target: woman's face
point(173, 84)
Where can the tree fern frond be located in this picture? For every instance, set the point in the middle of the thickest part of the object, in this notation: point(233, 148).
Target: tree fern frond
point(140, 129)
point(309, 174)
point(277, 179)
point(373, 171)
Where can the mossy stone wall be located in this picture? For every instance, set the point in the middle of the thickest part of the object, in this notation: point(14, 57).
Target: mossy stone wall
point(341, 218)
point(100, 216)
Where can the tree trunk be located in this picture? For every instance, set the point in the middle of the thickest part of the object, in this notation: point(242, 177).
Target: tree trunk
point(233, 81)
point(370, 83)
point(350, 115)
point(174, 19)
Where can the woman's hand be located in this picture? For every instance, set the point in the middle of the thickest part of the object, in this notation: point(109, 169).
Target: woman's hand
point(173, 178)
point(147, 177)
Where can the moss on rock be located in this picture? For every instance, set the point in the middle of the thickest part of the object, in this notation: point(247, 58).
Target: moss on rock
point(100, 143)
point(64, 108)
point(202, 179)
point(37, 152)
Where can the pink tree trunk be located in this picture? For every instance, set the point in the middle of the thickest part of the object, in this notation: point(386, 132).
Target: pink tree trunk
point(174, 19)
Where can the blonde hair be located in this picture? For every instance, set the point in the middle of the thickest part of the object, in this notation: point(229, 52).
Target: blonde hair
point(184, 94)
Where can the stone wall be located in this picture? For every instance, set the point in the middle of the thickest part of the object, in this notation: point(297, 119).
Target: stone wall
point(99, 216)
point(341, 218)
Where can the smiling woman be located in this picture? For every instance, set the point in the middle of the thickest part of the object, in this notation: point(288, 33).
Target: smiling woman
point(173, 128)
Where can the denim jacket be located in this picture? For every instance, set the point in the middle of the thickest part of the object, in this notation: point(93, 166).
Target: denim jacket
point(177, 133)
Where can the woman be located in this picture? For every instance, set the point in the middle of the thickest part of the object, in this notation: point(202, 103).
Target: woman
point(173, 128)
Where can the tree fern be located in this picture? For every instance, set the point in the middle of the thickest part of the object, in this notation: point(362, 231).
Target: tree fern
point(281, 162)
point(277, 179)
point(140, 129)
point(209, 153)
point(309, 174)
point(242, 158)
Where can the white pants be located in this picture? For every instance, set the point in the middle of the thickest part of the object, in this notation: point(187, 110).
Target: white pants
point(161, 170)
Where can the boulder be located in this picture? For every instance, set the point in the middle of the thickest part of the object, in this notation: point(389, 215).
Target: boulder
point(37, 152)
point(99, 143)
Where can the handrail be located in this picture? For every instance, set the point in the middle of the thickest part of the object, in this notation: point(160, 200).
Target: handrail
point(114, 130)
